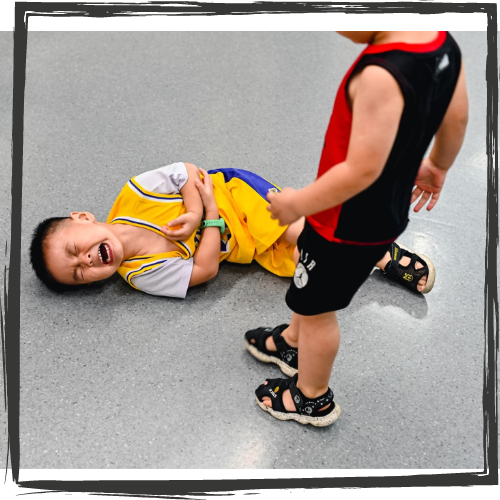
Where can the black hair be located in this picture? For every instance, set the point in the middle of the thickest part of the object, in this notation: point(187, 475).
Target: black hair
point(37, 254)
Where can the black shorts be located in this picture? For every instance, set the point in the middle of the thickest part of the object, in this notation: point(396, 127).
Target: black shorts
point(328, 274)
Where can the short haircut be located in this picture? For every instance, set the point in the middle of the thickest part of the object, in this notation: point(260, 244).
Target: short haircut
point(37, 253)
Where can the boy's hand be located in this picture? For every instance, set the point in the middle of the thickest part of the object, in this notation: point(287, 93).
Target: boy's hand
point(428, 185)
point(206, 189)
point(189, 222)
point(283, 206)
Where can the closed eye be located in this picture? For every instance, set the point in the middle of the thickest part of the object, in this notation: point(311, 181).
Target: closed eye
point(76, 255)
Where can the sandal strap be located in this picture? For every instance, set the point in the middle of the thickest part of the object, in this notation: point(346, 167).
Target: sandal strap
point(392, 265)
point(276, 387)
point(418, 273)
point(274, 390)
point(305, 405)
point(260, 335)
point(287, 353)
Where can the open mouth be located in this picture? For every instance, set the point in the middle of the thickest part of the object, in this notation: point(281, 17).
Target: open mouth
point(105, 253)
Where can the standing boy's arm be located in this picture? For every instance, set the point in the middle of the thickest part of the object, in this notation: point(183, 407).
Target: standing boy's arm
point(377, 106)
point(189, 221)
point(447, 143)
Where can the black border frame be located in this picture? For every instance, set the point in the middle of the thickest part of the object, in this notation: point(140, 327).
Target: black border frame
point(11, 331)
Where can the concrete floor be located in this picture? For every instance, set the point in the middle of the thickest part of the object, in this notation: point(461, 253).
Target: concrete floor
point(113, 378)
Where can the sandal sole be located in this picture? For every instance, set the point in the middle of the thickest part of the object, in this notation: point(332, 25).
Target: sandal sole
point(431, 277)
point(303, 419)
point(286, 369)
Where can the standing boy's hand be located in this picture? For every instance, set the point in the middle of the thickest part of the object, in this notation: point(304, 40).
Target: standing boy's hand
point(283, 206)
point(428, 184)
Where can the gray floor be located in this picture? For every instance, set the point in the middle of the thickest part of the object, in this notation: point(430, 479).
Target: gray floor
point(112, 378)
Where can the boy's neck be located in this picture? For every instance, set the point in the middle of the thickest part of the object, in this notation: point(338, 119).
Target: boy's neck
point(131, 244)
point(411, 37)
point(137, 241)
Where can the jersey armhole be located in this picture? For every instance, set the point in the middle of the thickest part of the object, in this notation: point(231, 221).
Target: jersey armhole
point(393, 70)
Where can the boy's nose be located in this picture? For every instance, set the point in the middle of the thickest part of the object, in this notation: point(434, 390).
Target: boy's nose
point(87, 259)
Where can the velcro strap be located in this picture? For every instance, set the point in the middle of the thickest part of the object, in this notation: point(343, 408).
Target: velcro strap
point(306, 406)
point(279, 341)
point(274, 390)
point(396, 254)
point(297, 396)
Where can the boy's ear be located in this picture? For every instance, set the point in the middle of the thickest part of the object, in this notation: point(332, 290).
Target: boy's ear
point(82, 216)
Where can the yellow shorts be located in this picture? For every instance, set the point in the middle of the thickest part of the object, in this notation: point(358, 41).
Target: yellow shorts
point(251, 233)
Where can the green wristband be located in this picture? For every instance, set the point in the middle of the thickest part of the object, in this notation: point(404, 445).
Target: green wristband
point(214, 223)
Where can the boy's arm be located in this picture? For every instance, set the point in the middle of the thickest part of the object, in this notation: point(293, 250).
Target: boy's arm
point(206, 257)
point(447, 143)
point(194, 208)
point(377, 108)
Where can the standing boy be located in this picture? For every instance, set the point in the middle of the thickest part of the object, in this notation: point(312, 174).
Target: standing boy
point(403, 90)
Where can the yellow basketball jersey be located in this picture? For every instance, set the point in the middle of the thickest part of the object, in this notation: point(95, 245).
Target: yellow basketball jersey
point(240, 196)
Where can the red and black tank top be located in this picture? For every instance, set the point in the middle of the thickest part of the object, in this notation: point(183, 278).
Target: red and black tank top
point(427, 75)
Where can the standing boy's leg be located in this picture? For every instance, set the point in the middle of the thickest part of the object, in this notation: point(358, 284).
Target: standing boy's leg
point(292, 233)
point(319, 287)
point(290, 334)
point(318, 341)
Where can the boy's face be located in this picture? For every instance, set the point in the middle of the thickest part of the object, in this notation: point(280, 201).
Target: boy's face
point(82, 250)
point(359, 36)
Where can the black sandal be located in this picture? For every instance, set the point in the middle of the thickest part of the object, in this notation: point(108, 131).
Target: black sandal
point(285, 356)
point(408, 276)
point(307, 411)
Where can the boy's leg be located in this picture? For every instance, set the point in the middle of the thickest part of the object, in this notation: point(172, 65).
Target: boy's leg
point(320, 286)
point(319, 339)
point(292, 233)
point(290, 334)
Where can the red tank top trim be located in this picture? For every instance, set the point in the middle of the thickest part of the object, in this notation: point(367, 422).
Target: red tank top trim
point(408, 47)
point(327, 233)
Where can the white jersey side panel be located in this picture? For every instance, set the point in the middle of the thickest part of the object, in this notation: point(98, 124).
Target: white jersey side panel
point(164, 180)
point(171, 279)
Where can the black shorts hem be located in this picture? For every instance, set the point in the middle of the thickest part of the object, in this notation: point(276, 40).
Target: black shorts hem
point(328, 273)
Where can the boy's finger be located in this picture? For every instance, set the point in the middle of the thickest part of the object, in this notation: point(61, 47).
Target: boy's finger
point(177, 221)
point(415, 194)
point(434, 200)
point(173, 234)
point(423, 200)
